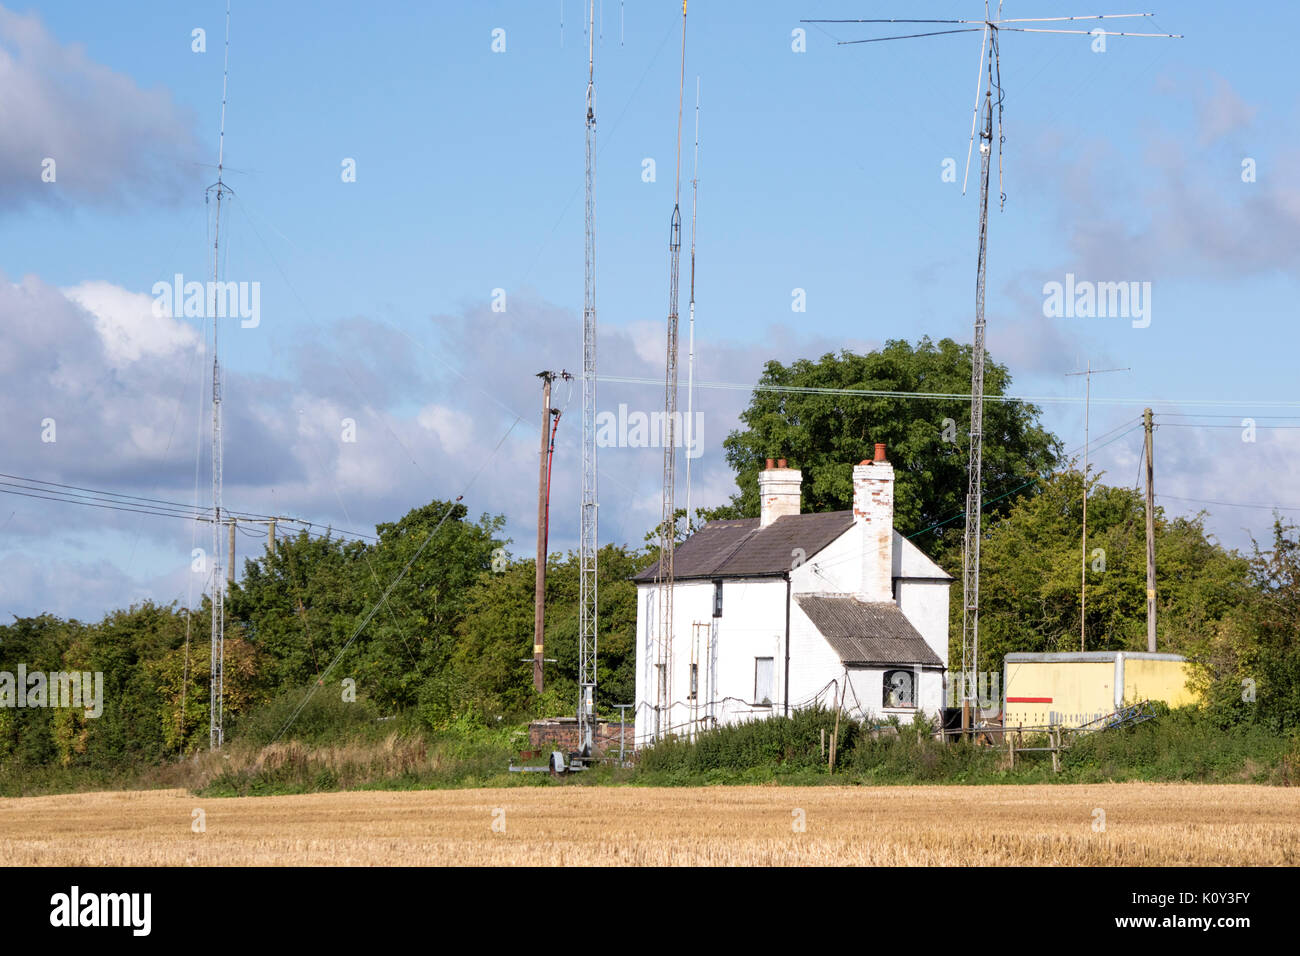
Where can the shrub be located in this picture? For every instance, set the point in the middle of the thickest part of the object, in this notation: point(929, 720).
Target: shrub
point(791, 743)
point(324, 717)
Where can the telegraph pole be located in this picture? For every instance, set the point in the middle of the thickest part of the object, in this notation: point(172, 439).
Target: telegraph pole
point(543, 518)
point(1088, 373)
point(270, 537)
point(1151, 536)
point(539, 599)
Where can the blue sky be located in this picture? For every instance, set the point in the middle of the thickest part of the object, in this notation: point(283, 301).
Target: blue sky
point(819, 170)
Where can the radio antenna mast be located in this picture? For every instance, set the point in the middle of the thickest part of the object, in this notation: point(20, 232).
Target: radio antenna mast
point(989, 71)
point(668, 523)
point(588, 597)
point(216, 700)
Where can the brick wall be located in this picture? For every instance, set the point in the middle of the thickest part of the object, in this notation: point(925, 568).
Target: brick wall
point(546, 735)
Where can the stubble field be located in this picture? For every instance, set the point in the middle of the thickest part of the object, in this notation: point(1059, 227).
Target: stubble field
point(1138, 824)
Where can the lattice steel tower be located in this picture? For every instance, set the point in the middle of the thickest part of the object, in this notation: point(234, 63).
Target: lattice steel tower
point(970, 561)
point(588, 586)
point(668, 520)
point(216, 698)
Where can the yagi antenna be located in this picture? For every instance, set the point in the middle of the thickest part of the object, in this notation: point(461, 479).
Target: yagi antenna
point(990, 27)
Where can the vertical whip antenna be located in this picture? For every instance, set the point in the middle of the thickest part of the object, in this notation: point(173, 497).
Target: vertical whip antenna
point(688, 432)
point(990, 70)
point(588, 587)
point(216, 700)
point(668, 522)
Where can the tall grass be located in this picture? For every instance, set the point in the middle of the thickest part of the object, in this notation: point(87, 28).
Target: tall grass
point(778, 744)
point(1182, 745)
point(336, 745)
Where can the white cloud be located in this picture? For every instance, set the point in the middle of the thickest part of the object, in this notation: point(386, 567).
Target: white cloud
point(453, 429)
point(108, 138)
point(127, 326)
point(1223, 112)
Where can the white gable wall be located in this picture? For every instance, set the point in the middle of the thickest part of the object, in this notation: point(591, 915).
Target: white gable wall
point(752, 626)
point(925, 603)
point(835, 569)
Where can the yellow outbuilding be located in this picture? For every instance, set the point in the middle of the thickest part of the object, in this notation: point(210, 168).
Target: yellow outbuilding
point(1074, 688)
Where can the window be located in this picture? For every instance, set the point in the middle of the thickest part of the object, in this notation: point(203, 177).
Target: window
point(763, 681)
point(695, 680)
point(899, 689)
point(717, 599)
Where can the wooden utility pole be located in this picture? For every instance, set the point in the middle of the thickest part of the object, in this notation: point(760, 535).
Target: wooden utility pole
point(230, 551)
point(539, 600)
point(1088, 373)
point(1151, 536)
point(270, 536)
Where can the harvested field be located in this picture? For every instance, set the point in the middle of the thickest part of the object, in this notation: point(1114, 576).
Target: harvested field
point(1145, 824)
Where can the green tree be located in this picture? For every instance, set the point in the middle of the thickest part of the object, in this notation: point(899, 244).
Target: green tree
point(496, 636)
point(299, 605)
point(410, 640)
point(1252, 658)
point(27, 735)
point(825, 434)
point(302, 604)
point(1030, 575)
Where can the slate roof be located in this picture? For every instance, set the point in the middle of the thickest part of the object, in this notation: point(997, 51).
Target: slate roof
point(866, 633)
point(740, 548)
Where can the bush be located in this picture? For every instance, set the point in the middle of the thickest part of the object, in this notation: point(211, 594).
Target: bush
point(1184, 744)
point(790, 743)
point(325, 717)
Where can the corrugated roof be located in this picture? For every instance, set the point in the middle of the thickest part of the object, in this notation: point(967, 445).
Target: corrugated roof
point(862, 632)
point(740, 548)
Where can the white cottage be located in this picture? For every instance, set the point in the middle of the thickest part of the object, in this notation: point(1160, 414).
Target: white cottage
point(773, 613)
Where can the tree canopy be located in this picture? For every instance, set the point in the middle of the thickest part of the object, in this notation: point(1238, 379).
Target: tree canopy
point(796, 415)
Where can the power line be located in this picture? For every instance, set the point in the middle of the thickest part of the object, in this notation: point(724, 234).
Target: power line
point(113, 495)
point(1232, 504)
point(136, 504)
point(1234, 427)
point(1138, 402)
point(1213, 415)
point(106, 507)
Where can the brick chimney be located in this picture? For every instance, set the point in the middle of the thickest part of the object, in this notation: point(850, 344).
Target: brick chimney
point(778, 491)
point(873, 512)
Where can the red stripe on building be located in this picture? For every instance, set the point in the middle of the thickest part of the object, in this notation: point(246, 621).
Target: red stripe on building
point(1029, 700)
